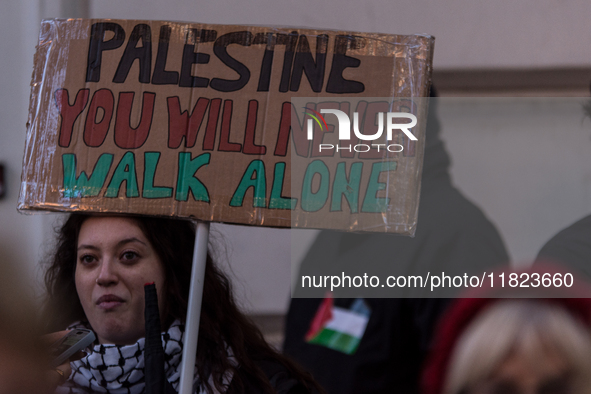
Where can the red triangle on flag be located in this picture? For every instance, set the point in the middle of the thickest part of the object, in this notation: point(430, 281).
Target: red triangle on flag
point(323, 315)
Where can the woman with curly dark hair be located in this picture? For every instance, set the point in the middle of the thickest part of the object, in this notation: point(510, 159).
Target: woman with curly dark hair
point(96, 280)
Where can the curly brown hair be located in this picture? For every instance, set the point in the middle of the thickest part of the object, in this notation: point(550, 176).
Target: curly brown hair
point(221, 320)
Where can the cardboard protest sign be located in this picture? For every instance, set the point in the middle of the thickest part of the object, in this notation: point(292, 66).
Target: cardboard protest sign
point(202, 121)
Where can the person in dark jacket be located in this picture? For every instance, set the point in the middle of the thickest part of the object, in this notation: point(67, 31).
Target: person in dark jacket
point(453, 237)
point(571, 247)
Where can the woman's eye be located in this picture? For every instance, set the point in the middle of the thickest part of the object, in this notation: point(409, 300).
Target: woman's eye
point(87, 259)
point(129, 256)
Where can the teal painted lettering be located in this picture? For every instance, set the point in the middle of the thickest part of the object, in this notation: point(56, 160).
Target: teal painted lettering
point(348, 187)
point(254, 177)
point(85, 186)
point(149, 190)
point(312, 202)
point(276, 201)
point(371, 203)
point(187, 181)
point(125, 172)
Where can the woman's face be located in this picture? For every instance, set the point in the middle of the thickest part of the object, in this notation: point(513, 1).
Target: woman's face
point(519, 373)
point(114, 262)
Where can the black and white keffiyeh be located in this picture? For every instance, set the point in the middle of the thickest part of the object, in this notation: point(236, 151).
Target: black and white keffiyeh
point(114, 369)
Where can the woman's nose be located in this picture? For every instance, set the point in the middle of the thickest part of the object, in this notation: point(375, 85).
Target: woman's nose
point(107, 274)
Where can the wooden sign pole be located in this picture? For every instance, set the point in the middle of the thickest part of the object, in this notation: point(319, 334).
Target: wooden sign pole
point(194, 308)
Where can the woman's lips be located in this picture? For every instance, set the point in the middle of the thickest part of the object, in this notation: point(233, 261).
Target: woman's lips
point(109, 301)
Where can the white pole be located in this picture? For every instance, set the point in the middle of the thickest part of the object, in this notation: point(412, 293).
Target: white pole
point(194, 308)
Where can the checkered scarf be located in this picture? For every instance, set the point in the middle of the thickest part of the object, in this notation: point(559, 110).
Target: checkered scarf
point(114, 369)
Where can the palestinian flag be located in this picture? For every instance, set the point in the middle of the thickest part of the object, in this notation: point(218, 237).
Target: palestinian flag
point(338, 328)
